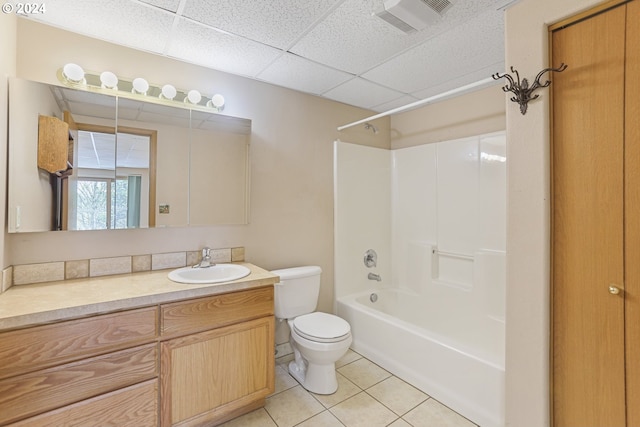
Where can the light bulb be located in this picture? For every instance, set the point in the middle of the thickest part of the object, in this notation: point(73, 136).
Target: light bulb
point(73, 73)
point(193, 96)
point(109, 80)
point(217, 102)
point(140, 85)
point(168, 92)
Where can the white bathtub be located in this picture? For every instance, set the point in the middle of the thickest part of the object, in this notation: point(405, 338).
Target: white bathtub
point(460, 366)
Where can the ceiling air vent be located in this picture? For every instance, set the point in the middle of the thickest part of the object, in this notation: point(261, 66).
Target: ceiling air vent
point(412, 15)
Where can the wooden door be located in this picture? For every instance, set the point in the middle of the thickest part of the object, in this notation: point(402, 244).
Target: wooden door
point(632, 213)
point(588, 223)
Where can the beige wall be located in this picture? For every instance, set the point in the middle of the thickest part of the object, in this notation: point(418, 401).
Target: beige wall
point(527, 353)
point(291, 160)
point(476, 113)
point(8, 50)
point(33, 100)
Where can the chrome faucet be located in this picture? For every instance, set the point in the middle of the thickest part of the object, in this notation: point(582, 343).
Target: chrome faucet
point(206, 259)
point(374, 276)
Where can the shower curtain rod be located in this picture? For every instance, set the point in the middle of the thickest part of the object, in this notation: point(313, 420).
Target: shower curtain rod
point(461, 89)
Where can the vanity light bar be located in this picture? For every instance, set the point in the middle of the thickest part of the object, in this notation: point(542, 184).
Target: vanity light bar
point(73, 75)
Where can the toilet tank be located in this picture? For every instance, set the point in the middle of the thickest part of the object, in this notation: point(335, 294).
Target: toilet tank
point(297, 292)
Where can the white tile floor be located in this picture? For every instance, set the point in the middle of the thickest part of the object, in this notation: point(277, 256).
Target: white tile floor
point(367, 396)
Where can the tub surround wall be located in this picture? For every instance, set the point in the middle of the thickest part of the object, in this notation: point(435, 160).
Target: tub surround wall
point(448, 222)
point(444, 223)
point(362, 216)
point(436, 214)
point(433, 212)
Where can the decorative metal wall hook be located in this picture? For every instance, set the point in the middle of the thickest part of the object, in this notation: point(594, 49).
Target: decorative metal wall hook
point(523, 93)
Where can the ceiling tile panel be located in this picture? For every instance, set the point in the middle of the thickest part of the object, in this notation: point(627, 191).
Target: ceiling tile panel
point(300, 74)
point(362, 93)
point(124, 22)
point(476, 45)
point(396, 103)
point(457, 82)
point(337, 49)
point(170, 5)
point(199, 44)
point(276, 23)
point(353, 39)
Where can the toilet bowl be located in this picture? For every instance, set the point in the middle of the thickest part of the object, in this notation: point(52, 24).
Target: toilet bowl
point(317, 339)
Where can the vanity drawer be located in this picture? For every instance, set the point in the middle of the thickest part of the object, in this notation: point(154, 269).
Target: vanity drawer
point(134, 406)
point(37, 392)
point(30, 349)
point(212, 312)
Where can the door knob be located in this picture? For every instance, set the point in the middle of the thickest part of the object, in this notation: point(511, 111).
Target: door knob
point(614, 290)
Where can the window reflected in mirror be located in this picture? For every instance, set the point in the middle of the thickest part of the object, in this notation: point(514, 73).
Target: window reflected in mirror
point(121, 162)
point(103, 196)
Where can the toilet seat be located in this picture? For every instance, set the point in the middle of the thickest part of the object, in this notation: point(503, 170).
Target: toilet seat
point(321, 327)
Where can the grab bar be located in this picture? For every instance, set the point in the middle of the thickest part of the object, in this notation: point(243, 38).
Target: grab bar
point(453, 254)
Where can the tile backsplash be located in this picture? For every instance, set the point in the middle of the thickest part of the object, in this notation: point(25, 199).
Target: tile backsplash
point(77, 269)
point(38, 273)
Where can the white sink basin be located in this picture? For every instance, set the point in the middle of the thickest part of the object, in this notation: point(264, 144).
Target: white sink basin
point(214, 274)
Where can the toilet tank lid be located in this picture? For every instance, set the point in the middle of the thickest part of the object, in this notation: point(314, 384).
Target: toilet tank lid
point(298, 272)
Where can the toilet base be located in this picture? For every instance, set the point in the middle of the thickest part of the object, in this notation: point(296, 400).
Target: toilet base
point(318, 379)
point(314, 364)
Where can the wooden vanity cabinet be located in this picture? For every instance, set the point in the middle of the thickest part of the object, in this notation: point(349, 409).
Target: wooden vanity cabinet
point(194, 362)
point(61, 373)
point(218, 359)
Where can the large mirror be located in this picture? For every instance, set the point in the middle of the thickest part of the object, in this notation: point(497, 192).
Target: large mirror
point(127, 163)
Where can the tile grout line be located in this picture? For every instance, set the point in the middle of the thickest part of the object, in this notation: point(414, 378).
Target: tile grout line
point(360, 390)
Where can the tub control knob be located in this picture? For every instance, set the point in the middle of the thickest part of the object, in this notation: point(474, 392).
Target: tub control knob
point(370, 258)
point(614, 290)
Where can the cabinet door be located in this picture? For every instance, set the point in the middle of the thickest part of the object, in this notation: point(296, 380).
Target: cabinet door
point(53, 144)
point(210, 376)
point(588, 223)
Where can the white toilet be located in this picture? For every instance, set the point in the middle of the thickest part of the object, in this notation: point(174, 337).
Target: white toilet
point(318, 339)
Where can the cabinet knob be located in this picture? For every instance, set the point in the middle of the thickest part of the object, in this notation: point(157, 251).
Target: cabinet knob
point(614, 290)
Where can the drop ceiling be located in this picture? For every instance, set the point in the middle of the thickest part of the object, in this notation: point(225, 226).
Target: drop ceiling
point(337, 49)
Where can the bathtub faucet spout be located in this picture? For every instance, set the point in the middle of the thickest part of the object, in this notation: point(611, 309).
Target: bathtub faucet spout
point(374, 276)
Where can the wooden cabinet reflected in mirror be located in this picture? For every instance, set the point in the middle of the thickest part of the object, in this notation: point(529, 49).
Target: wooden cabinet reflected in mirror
point(130, 163)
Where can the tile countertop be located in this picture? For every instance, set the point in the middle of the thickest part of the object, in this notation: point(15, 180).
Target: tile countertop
point(27, 305)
